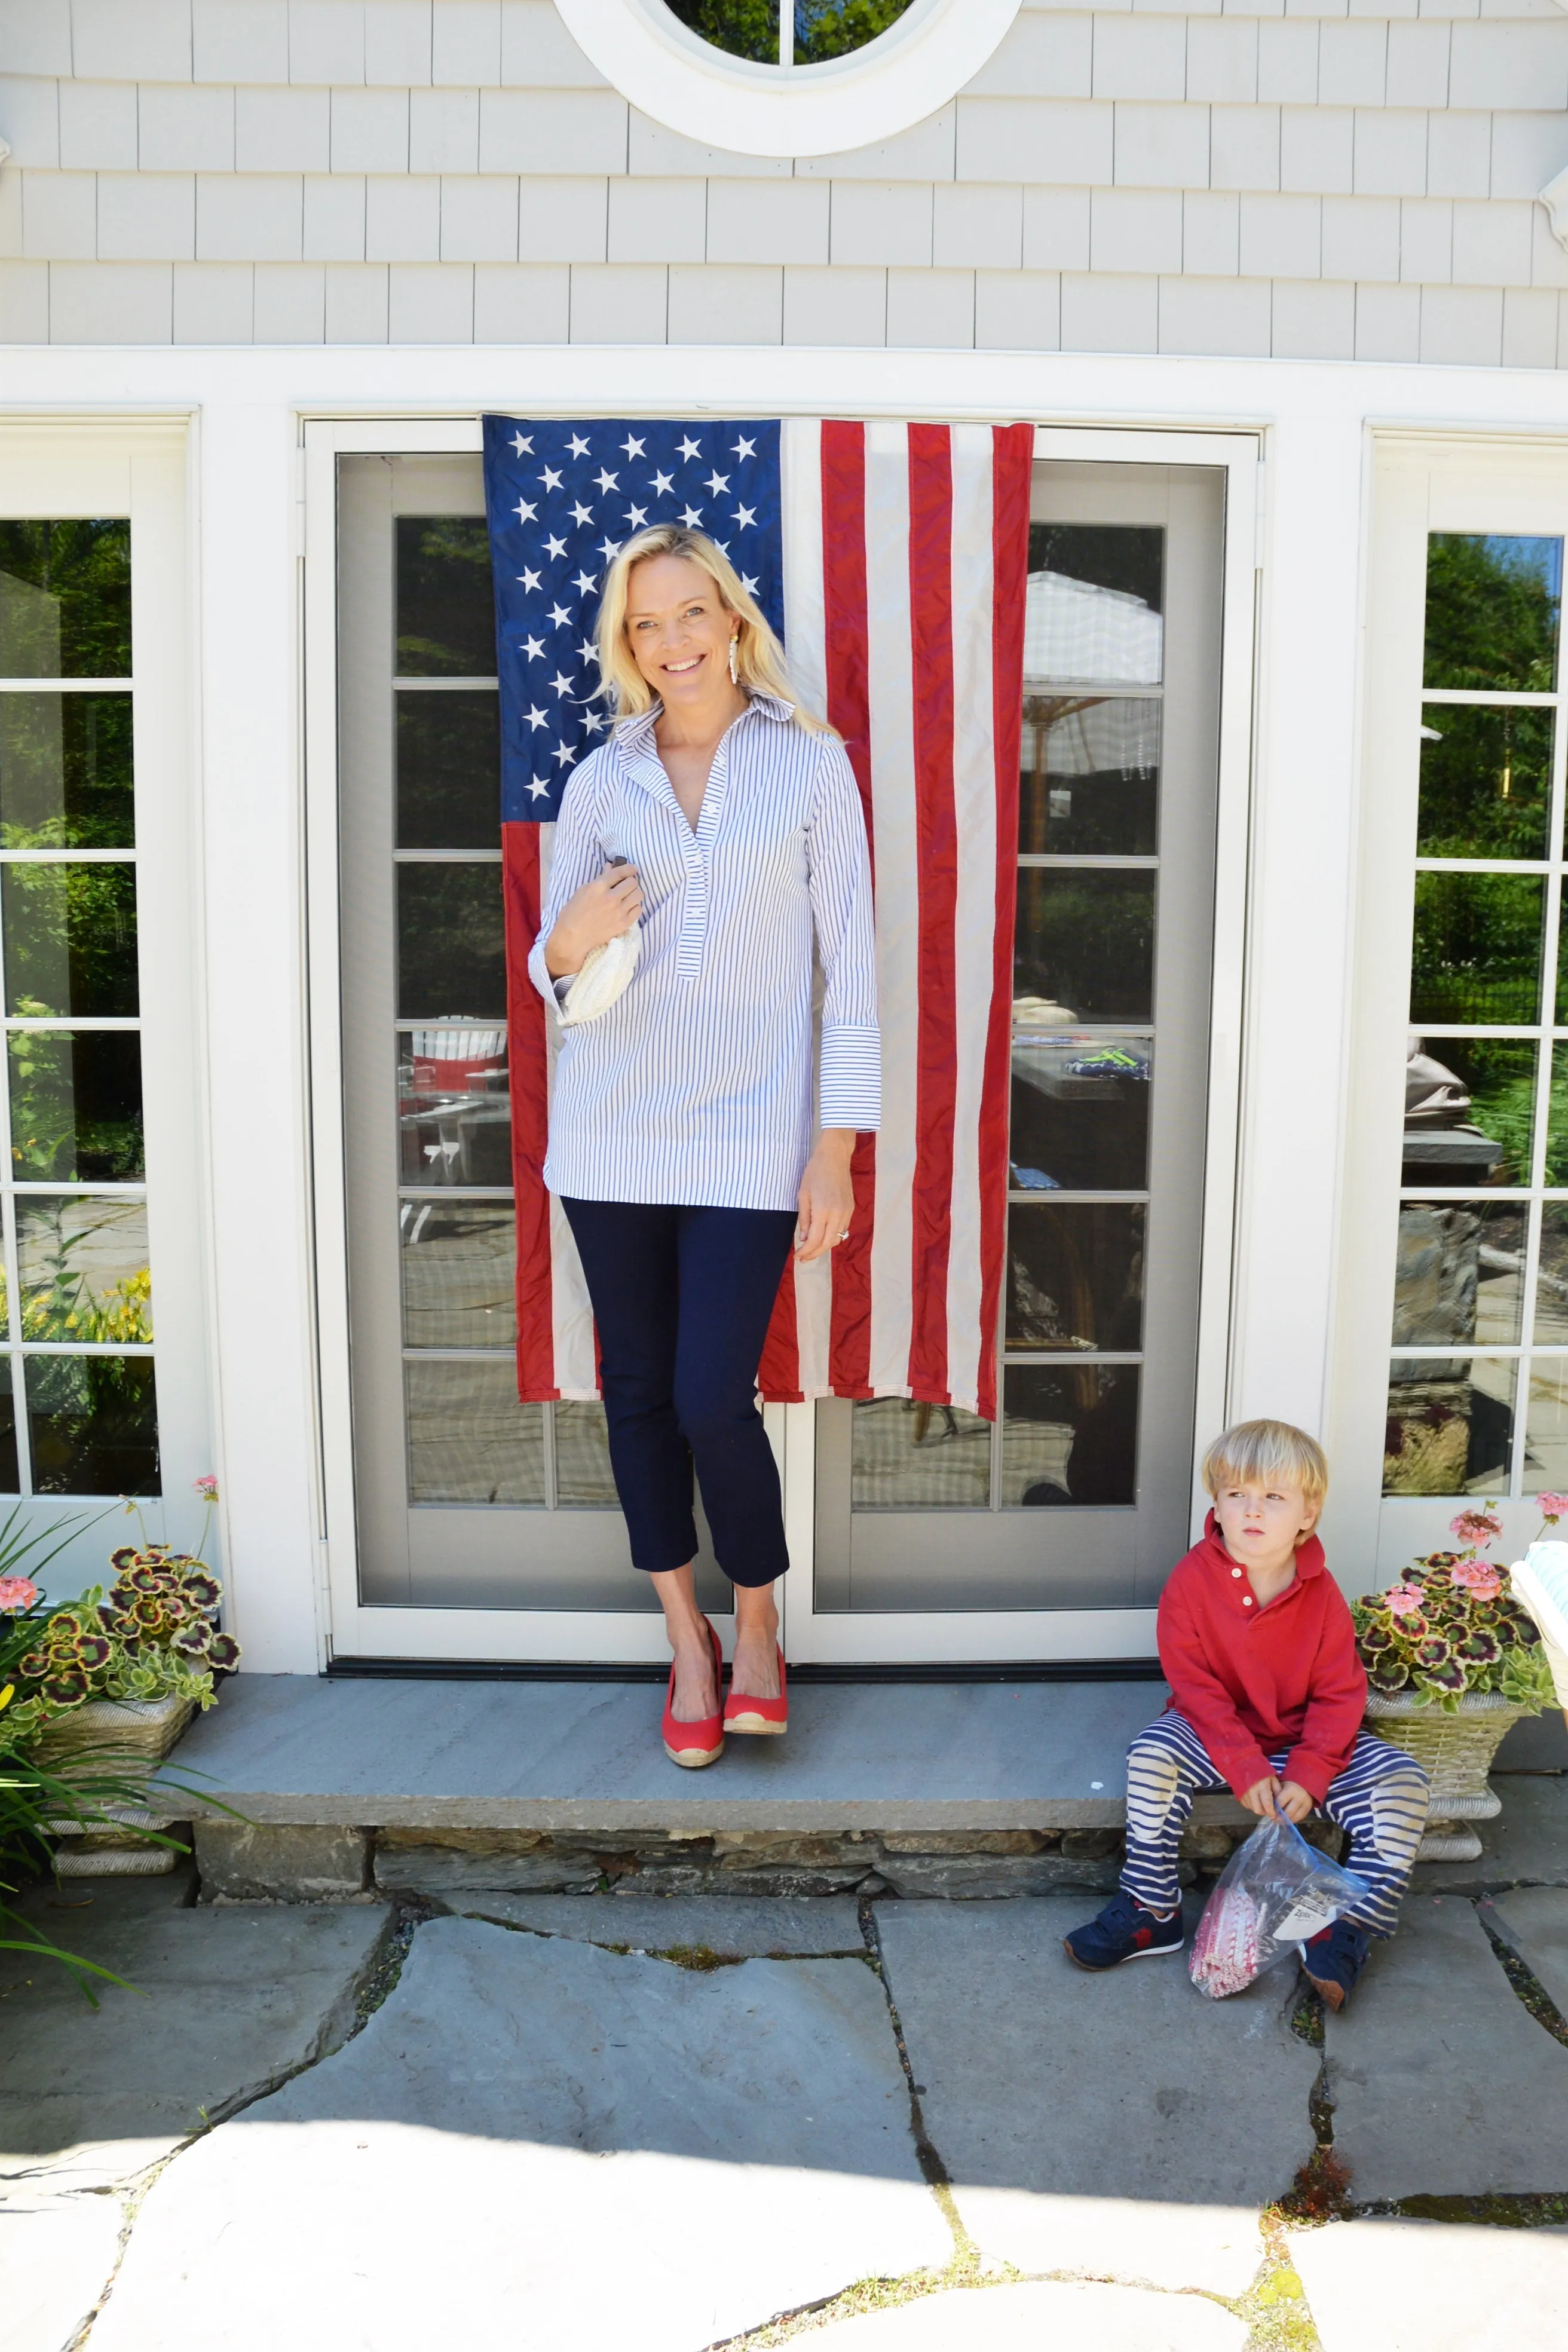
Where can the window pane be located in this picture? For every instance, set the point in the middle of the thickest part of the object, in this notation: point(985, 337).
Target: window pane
point(93, 1423)
point(76, 1107)
point(1476, 954)
point(1551, 1279)
point(65, 772)
point(460, 1268)
point(1469, 1112)
point(65, 598)
point(1081, 1110)
point(1091, 776)
point(1085, 945)
point(448, 772)
point(454, 1116)
point(1075, 1275)
point(584, 1479)
point(1451, 1425)
point(1460, 1274)
point(445, 604)
point(1546, 1426)
point(1094, 604)
point(742, 28)
point(451, 942)
point(469, 1440)
point(1486, 781)
point(919, 1457)
point(84, 1270)
point(10, 1474)
point(1491, 611)
point(70, 939)
point(1070, 1435)
point(831, 29)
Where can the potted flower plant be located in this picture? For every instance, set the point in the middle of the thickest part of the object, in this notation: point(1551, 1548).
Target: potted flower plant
point(1453, 1662)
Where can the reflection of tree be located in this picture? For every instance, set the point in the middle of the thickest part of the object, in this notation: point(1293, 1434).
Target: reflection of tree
point(829, 29)
point(77, 623)
point(1484, 782)
point(446, 602)
point(76, 1105)
point(742, 28)
point(70, 939)
point(1491, 611)
point(93, 1422)
point(58, 1298)
point(1476, 949)
point(1087, 941)
point(451, 942)
point(65, 772)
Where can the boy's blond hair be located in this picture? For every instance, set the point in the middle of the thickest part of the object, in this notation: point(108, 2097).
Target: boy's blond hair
point(1273, 1452)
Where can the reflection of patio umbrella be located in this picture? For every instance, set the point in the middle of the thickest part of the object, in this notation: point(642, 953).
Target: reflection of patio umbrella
point(1075, 629)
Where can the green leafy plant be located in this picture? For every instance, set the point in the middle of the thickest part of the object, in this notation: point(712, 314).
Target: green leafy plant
point(1450, 1625)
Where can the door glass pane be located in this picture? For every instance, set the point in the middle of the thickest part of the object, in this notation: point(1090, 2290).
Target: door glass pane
point(1546, 1426)
point(83, 1266)
point(459, 1268)
point(1095, 603)
point(469, 1440)
point(1493, 607)
point(1469, 1112)
point(10, 1467)
point(1460, 1274)
point(1090, 777)
point(93, 1424)
point(65, 598)
point(1085, 944)
point(1476, 954)
point(76, 1107)
point(1486, 781)
point(1074, 1276)
point(70, 939)
point(584, 1479)
point(65, 772)
point(1551, 1279)
point(449, 771)
point(1080, 1109)
point(446, 603)
point(1450, 1424)
point(451, 945)
point(453, 1113)
point(919, 1457)
point(1070, 1435)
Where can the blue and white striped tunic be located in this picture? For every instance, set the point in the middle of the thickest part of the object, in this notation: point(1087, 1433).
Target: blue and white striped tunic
point(694, 1089)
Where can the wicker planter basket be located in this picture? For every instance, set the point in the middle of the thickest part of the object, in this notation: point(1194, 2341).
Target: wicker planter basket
point(140, 1728)
point(1456, 1752)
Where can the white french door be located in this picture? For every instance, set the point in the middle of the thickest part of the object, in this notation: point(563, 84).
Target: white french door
point(464, 1526)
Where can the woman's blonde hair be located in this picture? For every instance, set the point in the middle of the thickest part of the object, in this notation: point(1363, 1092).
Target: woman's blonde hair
point(1273, 1453)
point(759, 656)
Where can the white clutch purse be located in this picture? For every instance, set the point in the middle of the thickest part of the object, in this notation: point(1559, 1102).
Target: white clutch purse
point(601, 978)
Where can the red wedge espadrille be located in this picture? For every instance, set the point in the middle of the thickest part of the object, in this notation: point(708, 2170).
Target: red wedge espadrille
point(693, 1745)
point(744, 1713)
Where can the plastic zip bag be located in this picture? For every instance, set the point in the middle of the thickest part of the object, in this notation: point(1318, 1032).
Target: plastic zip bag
point(1274, 1894)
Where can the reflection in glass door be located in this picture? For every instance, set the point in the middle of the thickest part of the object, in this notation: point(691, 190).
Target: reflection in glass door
point(1077, 1496)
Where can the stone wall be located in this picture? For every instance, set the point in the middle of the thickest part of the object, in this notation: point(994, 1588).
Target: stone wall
point(1323, 181)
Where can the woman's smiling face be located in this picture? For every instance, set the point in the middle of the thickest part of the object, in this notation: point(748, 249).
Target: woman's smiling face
point(678, 629)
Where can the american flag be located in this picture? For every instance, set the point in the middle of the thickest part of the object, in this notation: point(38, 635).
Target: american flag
point(892, 558)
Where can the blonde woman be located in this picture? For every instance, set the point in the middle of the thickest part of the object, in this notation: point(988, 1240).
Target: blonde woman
point(681, 1128)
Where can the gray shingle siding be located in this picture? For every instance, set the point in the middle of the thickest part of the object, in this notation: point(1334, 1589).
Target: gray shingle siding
point(1256, 176)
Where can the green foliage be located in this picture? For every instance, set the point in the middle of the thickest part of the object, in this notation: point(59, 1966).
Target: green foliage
point(65, 598)
point(742, 28)
point(66, 771)
point(831, 29)
point(1476, 949)
point(58, 1301)
point(1492, 612)
point(76, 1104)
point(70, 939)
point(156, 1636)
point(1484, 782)
point(446, 598)
point(1432, 1637)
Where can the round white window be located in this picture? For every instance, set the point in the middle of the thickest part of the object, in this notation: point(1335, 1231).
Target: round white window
point(788, 77)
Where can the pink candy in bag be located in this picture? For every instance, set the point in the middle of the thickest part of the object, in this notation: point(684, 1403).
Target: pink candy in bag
point(1274, 1894)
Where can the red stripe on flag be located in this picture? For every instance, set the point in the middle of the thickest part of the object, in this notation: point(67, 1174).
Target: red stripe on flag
point(529, 1071)
point(1013, 458)
point(778, 1374)
point(936, 838)
point(847, 653)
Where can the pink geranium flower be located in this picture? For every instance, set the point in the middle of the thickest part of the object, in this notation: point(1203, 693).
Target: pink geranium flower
point(1553, 1507)
point(16, 1592)
point(1476, 1576)
point(207, 1489)
point(1405, 1600)
point(1476, 1526)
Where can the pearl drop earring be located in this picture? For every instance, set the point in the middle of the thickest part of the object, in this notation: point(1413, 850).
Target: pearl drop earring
point(734, 671)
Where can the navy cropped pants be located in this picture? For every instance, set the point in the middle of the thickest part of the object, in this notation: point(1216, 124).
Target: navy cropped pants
point(682, 1299)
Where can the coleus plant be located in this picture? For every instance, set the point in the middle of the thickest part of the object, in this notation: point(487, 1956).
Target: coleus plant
point(1451, 1625)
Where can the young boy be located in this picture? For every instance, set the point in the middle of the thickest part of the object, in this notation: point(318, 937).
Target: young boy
point(1267, 1697)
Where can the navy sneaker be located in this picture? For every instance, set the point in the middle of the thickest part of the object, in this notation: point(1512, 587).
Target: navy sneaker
point(1333, 1960)
point(1123, 1931)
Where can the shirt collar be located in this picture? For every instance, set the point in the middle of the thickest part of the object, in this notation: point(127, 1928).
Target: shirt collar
point(637, 735)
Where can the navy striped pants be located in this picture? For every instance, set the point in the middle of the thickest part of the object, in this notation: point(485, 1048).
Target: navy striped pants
point(1380, 1798)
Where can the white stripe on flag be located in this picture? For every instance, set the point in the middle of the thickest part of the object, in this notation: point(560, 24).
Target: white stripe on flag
point(571, 1316)
point(975, 923)
point(891, 698)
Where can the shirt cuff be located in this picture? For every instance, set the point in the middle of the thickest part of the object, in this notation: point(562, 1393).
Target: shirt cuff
point(539, 974)
point(850, 1085)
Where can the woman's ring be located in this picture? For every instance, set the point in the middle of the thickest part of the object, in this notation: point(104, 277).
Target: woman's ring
point(845, 1234)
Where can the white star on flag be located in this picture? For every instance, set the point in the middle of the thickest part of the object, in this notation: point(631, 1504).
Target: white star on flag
point(522, 443)
point(530, 580)
point(523, 511)
point(579, 446)
point(566, 754)
point(533, 647)
point(662, 483)
point(551, 478)
point(691, 448)
point(538, 790)
point(717, 481)
point(610, 549)
point(560, 615)
point(692, 518)
point(633, 446)
point(588, 651)
point(637, 517)
point(606, 481)
point(746, 517)
point(744, 449)
point(561, 683)
point(557, 548)
point(582, 514)
point(537, 719)
point(584, 583)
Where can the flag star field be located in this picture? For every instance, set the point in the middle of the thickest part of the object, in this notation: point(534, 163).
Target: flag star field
point(562, 500)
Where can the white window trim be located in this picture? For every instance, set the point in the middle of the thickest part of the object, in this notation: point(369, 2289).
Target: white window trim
point(905, 75)
point(497, 1635)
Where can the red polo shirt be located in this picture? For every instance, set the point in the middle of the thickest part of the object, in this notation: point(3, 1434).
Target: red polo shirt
point(1251, 1681)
